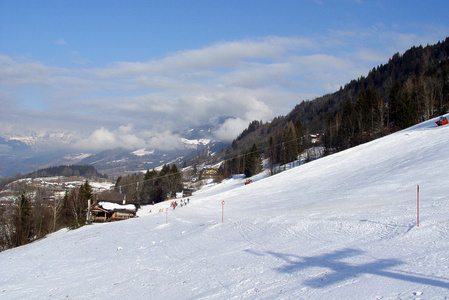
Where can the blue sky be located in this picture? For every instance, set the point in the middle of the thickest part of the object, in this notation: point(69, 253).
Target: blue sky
point(128, 73)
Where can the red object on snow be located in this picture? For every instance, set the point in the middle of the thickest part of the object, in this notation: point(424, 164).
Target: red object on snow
point(442, 121)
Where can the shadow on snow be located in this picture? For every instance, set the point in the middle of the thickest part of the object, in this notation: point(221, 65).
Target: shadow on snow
point(343, 270)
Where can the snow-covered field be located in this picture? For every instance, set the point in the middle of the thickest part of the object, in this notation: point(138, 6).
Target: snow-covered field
point(341, 227)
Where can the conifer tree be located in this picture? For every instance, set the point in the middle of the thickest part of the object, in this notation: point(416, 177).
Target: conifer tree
point(23, 222)
point(86, 191)
point(290, 143)
point(347, 123)
point(299, 134)
point(147, 194)
point(402, 108)
point(271, 154)
point(253, 162)
point(176, 180)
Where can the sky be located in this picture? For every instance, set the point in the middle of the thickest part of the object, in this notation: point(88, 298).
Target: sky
point(95, 75)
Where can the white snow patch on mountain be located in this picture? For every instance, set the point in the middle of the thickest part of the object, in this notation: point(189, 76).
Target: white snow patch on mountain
point(33, 138)
point(142, 152)
point(195, 143)
point(77, 157)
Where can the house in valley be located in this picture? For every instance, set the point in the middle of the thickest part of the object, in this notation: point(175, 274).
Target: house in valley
point(208, 173)
point(107, 211)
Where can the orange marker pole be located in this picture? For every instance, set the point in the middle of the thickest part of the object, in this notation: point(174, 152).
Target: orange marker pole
point(222, 210)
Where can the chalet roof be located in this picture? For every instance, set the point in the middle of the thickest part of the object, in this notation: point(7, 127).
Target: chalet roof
point(109, 207)
point(100, 208)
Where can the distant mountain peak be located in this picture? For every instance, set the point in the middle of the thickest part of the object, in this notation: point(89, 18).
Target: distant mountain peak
point(195, 143)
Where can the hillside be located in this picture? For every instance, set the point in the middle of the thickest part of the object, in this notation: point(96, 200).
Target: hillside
point(409, 87)
point(70, 170)
point(341, 227)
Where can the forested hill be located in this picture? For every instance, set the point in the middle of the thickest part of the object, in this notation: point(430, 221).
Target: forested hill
point(420, 74)
point(72, 170)
point(409, 88)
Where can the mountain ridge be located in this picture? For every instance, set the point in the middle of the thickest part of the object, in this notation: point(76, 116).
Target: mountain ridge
point(411, 87)
point(114, 162)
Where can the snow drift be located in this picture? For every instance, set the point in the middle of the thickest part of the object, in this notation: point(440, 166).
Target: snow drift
point(343, 226)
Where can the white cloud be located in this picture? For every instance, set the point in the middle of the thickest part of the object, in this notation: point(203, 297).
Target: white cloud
point(127, 137)
point(22, 74)
point(229, 55)
point(370, 55)
point(100, 139)
point(163, 140)
point(61, 42)
point(231, 129)
point(138, 104)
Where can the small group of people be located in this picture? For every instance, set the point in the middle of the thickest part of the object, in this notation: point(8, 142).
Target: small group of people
point(442, 121)
point(182, 203)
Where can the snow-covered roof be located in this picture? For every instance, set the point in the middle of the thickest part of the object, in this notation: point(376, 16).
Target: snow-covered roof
point(115, 206)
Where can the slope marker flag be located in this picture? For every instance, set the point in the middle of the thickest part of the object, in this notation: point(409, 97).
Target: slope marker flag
point(417, 205)
point(222, 210)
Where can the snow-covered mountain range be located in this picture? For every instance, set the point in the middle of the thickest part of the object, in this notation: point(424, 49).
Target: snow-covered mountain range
point(341, 227)
point(20, 154)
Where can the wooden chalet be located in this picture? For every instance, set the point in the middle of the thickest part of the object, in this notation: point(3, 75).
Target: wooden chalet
point(106, 212)
point(208, 173)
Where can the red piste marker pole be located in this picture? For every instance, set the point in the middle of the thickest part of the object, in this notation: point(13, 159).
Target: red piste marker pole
point(222, 210)
point(417, 205)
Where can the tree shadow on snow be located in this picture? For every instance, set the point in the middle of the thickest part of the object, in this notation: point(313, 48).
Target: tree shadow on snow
point(341, 270)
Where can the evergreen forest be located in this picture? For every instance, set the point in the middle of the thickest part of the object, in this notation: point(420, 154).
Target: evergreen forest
point(410, 88)
point(67, 171)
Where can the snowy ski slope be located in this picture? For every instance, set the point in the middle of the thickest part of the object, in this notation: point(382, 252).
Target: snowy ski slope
point(341, 227)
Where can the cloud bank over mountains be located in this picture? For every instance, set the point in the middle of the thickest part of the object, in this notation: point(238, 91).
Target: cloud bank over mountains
point(138, 104)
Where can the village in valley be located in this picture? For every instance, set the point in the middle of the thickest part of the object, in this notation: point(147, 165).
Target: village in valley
point(109, 200)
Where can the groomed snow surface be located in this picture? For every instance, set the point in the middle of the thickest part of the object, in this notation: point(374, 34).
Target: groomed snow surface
point(341, 227)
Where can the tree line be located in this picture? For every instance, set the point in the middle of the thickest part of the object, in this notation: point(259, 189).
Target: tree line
point(85, 171)
point(250, 163)
point(153, 186)
point(412, 87)
point(279, 142)
point(411, 100)
point(31, 219)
